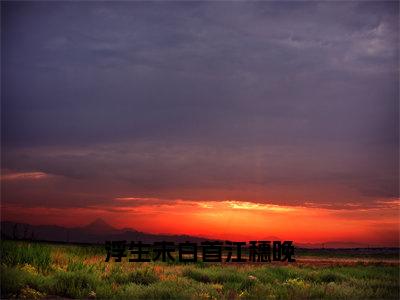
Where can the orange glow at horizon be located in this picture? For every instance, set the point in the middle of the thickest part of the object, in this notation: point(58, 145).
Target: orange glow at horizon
point(235, 220)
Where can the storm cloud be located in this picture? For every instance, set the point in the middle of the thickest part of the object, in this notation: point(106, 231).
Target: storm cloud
point(281, 103)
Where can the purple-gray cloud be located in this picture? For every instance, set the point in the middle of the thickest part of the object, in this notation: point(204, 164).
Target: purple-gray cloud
point(193, 100)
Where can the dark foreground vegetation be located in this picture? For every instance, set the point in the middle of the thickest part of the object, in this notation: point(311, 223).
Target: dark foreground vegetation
point(44, 270)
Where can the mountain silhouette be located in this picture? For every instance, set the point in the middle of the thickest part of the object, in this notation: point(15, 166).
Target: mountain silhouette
point(99, 231)
point(96, 232)
point(99, 227)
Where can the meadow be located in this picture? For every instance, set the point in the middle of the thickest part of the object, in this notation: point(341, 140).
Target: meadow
point(45, 270)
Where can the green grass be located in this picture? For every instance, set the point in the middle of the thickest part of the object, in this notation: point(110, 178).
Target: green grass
point(37, 255)
point(36, 270)
point(143, 276)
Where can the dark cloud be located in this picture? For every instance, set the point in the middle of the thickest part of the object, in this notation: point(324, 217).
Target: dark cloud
point(194, 100)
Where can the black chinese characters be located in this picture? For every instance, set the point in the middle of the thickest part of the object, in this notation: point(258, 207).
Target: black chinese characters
point(210, 251)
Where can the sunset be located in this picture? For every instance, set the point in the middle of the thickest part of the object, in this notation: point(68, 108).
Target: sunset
point(214, 120)
point(234, 220)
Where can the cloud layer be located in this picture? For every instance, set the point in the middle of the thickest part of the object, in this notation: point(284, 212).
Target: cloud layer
point(279, 103)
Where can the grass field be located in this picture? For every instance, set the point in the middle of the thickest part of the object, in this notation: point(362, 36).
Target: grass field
point(39, 270)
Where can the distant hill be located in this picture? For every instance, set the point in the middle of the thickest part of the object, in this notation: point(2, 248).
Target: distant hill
point(100, 227)
point(97, 231)
point(332, 245)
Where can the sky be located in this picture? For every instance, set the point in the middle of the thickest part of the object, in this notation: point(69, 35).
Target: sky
point(218, 119)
